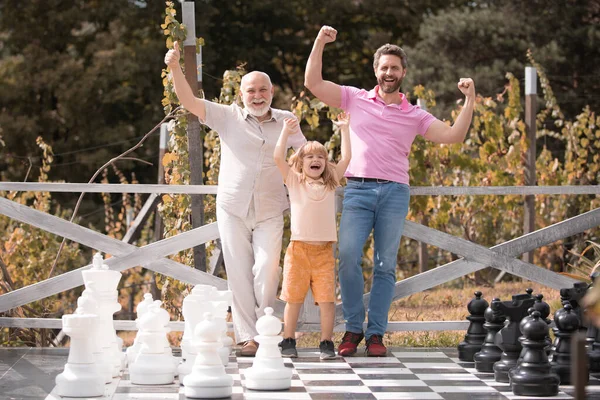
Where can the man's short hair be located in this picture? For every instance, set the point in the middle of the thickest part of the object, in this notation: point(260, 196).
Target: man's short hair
point(390, 49)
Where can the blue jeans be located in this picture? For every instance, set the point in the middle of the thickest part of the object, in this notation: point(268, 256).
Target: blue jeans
point(381, 207)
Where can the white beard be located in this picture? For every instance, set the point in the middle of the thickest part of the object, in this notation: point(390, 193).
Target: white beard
point(256, 110)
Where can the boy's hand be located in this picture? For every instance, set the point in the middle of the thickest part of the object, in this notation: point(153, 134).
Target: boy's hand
point(172, 56)
point(291, 126)
point(343, 121)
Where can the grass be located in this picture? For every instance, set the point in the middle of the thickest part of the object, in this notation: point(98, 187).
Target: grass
point(442, 304)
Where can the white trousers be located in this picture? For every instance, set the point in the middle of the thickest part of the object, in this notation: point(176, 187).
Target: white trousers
point(251, 252)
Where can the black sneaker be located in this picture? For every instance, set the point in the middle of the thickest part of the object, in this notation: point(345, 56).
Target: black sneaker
point(288, 348)
point(327, 350)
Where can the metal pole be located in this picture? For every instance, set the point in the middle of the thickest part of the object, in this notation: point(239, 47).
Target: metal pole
point(195, 145)
point(530, 173)
point(423, 254)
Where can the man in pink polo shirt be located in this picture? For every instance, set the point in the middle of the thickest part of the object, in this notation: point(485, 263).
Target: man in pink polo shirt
point(383, 127)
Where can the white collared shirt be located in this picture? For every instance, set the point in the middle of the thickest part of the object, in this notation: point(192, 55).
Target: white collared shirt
point(248, 171)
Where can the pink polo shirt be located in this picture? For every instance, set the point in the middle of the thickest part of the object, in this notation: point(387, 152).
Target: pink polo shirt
point(381, 134)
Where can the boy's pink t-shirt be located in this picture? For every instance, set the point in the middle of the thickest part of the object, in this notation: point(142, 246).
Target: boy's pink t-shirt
point(381, 134)
point(312, 210)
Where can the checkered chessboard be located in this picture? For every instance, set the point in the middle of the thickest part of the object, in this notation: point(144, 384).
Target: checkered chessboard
point(404, 374)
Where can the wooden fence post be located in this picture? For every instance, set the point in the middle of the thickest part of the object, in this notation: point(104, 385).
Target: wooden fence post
point(195, 145)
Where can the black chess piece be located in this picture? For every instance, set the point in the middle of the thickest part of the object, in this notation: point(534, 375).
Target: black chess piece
point(544, 309)
point(557, 314)
point(594, 355)
point(525, 319)
point(475, 332)
point(567, 324)
point(533, 376)
point(594, 350)
point(529, 291)
point(574, 296)
point(490, 353)
point(508, 337)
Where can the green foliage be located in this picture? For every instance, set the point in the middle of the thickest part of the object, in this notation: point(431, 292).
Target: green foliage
point(485, 39)
point(82, 75)
point(26, 255)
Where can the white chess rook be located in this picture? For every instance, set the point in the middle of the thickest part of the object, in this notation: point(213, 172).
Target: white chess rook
point(208, 379)
point(152, 365)
point(268, 372)
point(81, 376)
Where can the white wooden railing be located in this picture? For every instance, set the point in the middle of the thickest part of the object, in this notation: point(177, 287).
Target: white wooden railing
point(153, 256)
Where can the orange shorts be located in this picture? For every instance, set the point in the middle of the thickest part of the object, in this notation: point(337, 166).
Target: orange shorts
point(308, 265)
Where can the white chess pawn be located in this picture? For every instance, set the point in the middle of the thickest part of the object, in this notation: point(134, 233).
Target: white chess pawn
point(268, 372)
point(168, 351)
point(221, 304)
point(141, 309)
point(208, 379)
point(87, 305)
point(81, 376)
point(104, 292)
point(152, 366)
point(194, 306)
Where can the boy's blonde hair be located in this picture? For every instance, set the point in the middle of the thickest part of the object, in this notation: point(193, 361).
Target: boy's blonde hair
point(313, 147)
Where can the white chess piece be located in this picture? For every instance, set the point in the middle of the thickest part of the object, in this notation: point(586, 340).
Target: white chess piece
point(81, 376)
point(221, 304)
point(104, 292)
point(88, 305)
point(268, 372)
point(141, 309)
point(208, 379)
point(194, 306)
point(152, 366)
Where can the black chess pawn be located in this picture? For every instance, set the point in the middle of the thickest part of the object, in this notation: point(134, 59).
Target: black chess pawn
point(533, 376)
point(594, 349)
point(508, 337)
point(525, 319)
point(529, 291)
point(475, 332)
point(544, 309)
point(567, 323)
point(557, 314)
point(490, 353)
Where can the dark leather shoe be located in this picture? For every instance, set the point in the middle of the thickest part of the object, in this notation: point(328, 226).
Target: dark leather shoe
point(249, 348)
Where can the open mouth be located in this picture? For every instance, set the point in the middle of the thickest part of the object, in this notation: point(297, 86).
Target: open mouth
point(315, 167)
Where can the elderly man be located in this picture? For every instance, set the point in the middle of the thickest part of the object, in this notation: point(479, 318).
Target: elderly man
point(383, 127)
point(250, 198)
